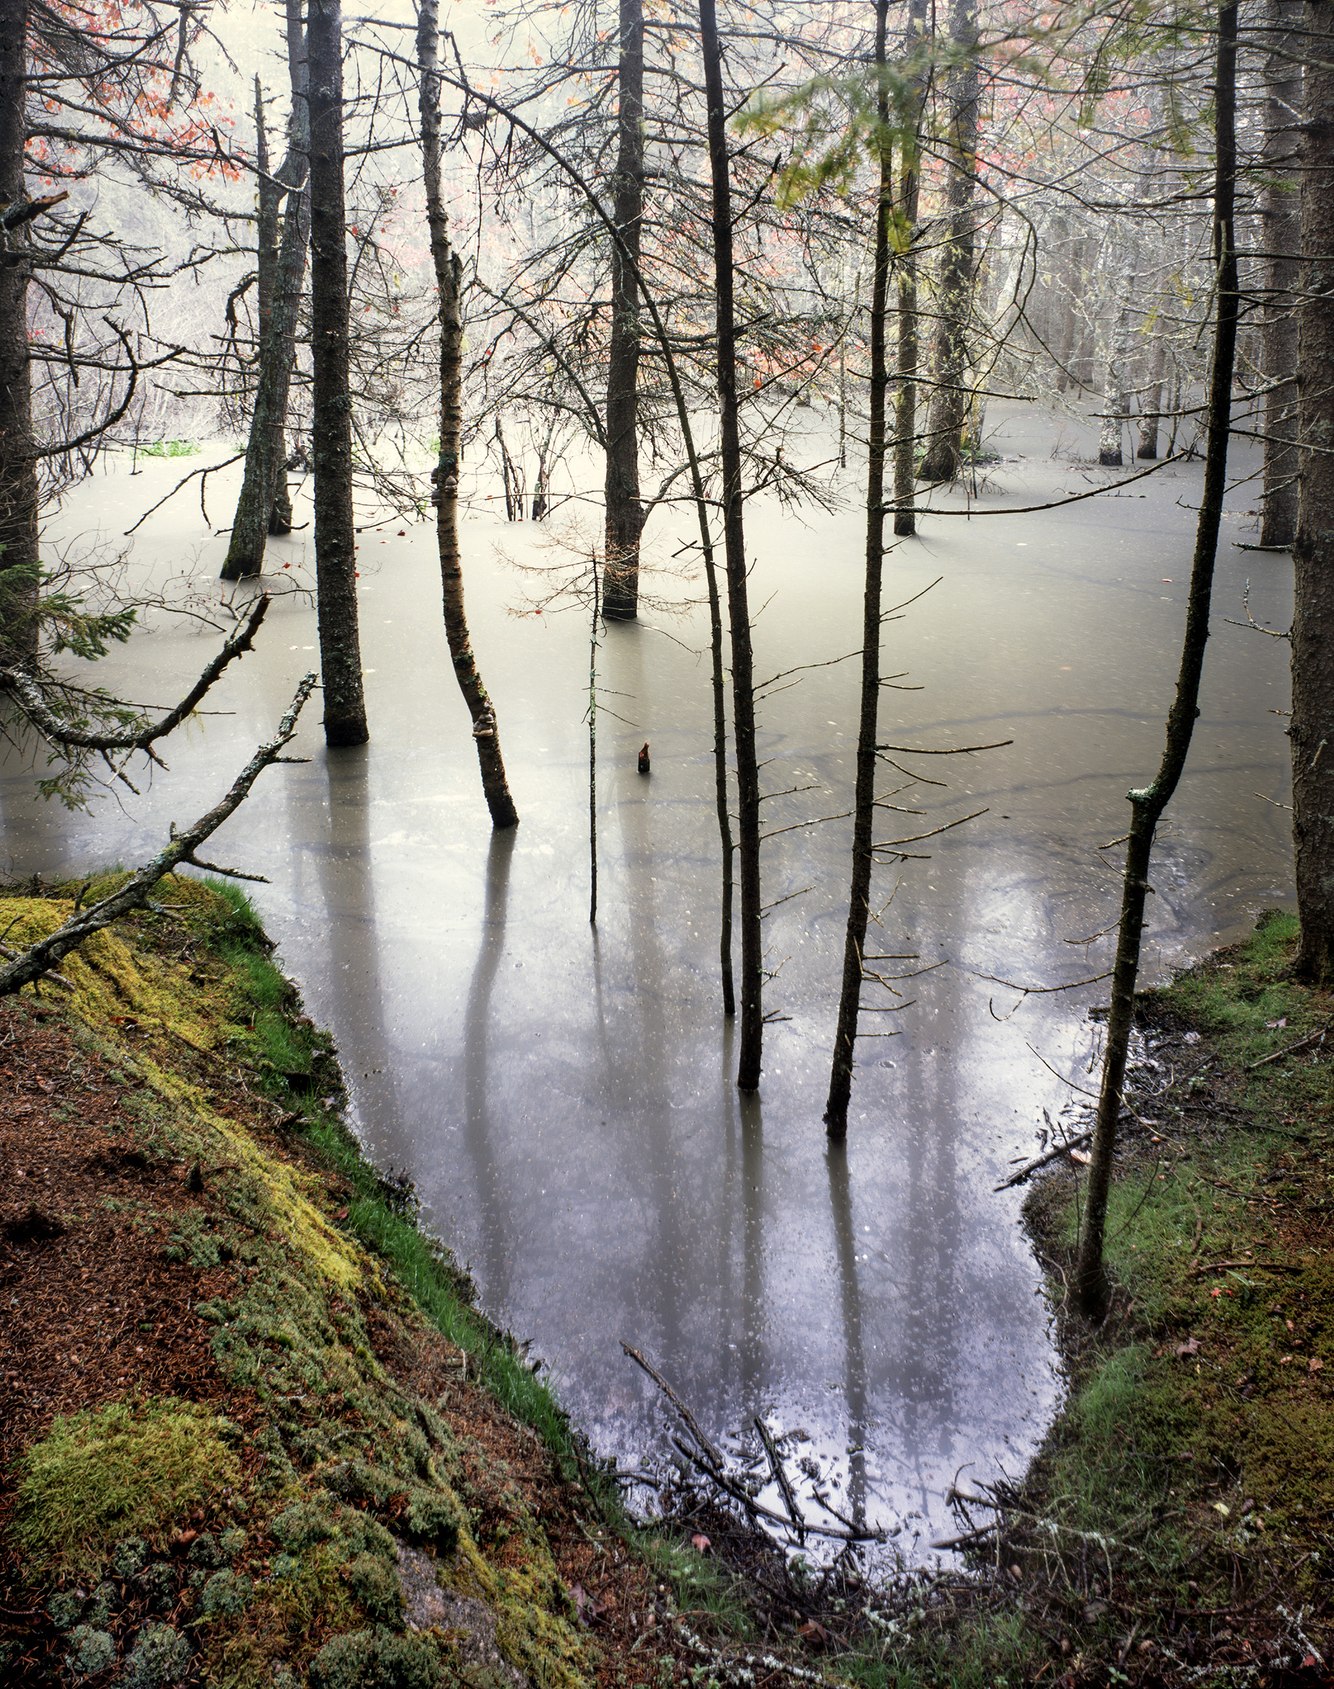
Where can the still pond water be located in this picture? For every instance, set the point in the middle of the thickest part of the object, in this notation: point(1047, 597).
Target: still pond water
point(563, 1097)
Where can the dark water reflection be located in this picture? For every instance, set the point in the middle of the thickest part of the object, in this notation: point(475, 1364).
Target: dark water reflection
point(564, 1097)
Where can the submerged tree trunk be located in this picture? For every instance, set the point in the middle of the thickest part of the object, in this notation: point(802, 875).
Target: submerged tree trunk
point(264, 506)
point(1312, 728)
point(1281, 222)
point(1149, 802)
point(951, 399)
point(625, 512)
point(18, 470)
point(331, 420)
point(859, 897)
point(448, 278)
point(734, 548)
point(905, 402)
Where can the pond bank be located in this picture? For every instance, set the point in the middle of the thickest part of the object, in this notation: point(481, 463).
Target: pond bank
point(256, 1433)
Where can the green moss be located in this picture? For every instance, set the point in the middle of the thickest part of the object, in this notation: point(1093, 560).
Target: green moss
point(376, 1658)
point(129, 1468)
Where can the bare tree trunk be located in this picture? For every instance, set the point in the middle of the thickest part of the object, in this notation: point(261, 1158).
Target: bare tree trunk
point(951, 399)
point(18, 470)
point(1312, 729)
point(1281, 221)
point(1149, 802)
point(448, 280)
point(1116, 382)
point(1152, 415)
point(335, 532)
point(264, 506)
point(734, 546)
point(859, 897)
point(625, 512)
point(905, 403)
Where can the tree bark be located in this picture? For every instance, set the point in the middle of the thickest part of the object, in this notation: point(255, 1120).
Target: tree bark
point(448, 278)
point(18, 470)
point(1312, 728)
point(905, 400)
point(1149, 802)
point(951, 399)
point(1281, 222)
point(625, 511)
point(859, 897)
point(734, 550)
point(264, 506)
point(335, 533)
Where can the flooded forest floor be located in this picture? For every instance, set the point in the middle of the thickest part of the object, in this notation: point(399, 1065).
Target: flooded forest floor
point(256, 1433)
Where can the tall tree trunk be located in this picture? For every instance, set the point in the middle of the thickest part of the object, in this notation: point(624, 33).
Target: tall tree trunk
point(18, 470)
point(859, 897)
point(951, 399)
point(905, 400)
point(1116, 380)
point(448, 279)
point(1312, 728)
point(1149, 802)
point(625, 512)
point(1281, 222)
point(734, 550)
point(264, 506)
point(331, 421)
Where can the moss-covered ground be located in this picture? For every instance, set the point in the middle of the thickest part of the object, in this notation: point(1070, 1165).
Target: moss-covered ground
point(256, 1433)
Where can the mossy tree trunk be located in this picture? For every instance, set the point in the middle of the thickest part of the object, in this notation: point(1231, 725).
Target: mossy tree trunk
point(734, 551)
point(18, 469)
point(1312, 728)
point(859, 897)
point(1149, 802)
point(625, 510)
point(448, 279)
point(335, 532)
point(1281, 223)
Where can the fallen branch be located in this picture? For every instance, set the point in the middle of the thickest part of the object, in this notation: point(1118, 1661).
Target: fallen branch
point(1030, 1167)
point(28, 695)
point(1288, 1050)
point(135, 891)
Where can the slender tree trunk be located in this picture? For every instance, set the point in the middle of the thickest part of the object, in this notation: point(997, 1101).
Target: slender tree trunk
point(625, 512)
point(859, 897)
point(264, 506)
point(1281, 222)
point(1152, 415)
point(1116, 382)
point(1312, 728)
point(905, 400)
point(331, 421)
point(1149, 802)
point(734, 547)
point(951, 399)
point(448, 280)
point(18, 470)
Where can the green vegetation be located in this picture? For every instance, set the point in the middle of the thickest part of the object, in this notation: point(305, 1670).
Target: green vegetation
point(169, 448)
point(119, 1472)
point(296, 1529)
